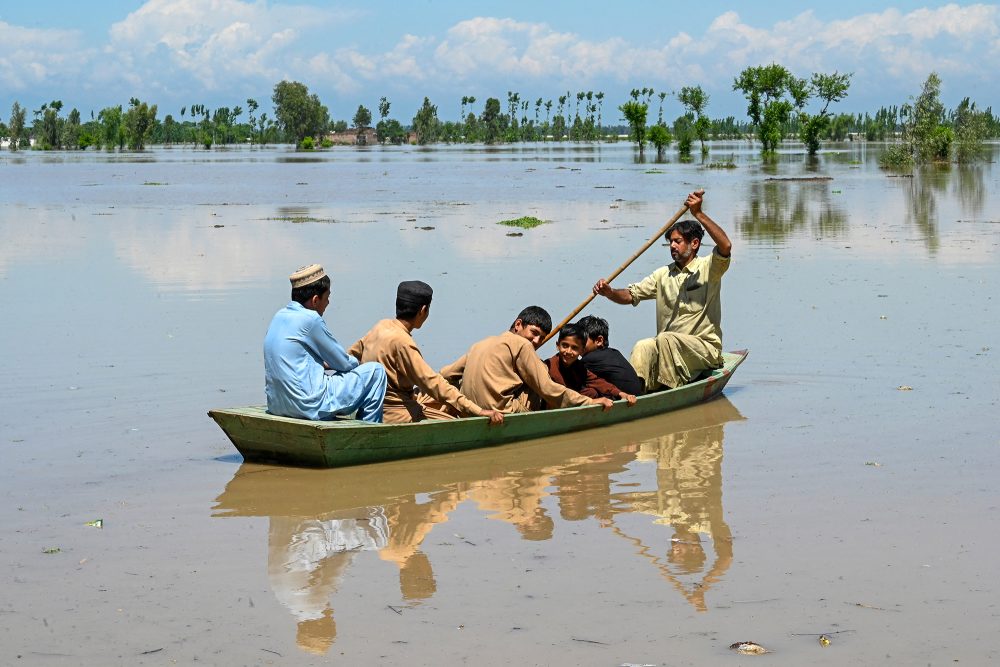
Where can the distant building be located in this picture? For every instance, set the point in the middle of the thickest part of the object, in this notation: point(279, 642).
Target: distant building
point(350, 137)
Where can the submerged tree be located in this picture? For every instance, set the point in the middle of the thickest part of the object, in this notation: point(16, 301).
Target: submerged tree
point(426, 124)
point(299, 114)
point(660, 137)
point(362, 121)
point(828, 88)
point(16, 125)
point(138, 123)
point(694, 100)
point(635, 113)
point(772, 93)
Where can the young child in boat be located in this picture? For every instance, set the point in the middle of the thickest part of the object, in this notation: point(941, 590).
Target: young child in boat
point(566, 368)
point(606, 362)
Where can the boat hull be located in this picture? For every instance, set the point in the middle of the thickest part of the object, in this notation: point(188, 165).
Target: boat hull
point(264, 438)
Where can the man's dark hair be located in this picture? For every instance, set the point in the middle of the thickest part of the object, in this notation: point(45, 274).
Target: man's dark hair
point(573, 331)
point(689, 229)
point(594, 326)
point(534, 315)
point(306, 292)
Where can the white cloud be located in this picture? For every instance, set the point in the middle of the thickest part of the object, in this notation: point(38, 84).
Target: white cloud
point(213, 41)
point(31, 56)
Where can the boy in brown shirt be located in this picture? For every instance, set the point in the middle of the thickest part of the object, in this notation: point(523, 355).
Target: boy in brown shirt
point(390, 342)
point(505, 373)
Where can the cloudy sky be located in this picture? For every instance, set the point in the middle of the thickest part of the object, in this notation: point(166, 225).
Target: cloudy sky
point(177, 53)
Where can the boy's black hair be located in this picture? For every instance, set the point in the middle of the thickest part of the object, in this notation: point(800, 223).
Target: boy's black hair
point(573, 331)
point(534, 315)
point(689, 229)
point(411, 296)
point(306, 292)
point(594, 326)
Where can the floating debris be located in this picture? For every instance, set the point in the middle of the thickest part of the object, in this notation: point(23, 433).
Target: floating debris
point(426, 229)
point(524, 222)
point(874, 464)
point(882, 317)
point(721, 165)
point(748, 648)
point(218, 226)
point(96, 523)
point(515, 233)
point(904, 387)
point(51, 550)
point(824, 640)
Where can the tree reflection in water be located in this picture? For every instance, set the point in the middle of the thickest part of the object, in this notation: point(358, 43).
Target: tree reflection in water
point(321, 521)
point(928, 183)
point(779, 210)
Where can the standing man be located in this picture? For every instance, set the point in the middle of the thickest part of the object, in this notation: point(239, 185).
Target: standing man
point(688, 304)
point(298, 352)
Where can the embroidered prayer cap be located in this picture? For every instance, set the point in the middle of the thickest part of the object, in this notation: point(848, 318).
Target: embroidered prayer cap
point(307, 275)
point(415, 292)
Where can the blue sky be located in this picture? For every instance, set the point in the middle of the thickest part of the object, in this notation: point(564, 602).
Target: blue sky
point(219, 52)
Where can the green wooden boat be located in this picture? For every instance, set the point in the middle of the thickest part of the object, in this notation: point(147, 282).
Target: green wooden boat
point(264, 438)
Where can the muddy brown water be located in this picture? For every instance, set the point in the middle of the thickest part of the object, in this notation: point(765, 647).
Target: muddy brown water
point(816, 497)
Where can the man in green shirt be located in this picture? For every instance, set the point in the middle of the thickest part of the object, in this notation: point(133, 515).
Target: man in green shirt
point(688, 304)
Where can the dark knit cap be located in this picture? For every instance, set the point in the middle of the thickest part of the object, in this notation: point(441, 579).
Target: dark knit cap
point(413, 293)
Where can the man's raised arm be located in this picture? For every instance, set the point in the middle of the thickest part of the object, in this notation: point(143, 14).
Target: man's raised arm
point(722, 243)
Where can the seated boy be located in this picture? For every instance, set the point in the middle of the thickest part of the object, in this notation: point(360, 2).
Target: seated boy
point(566, 369)
point(299, 349)
point(390, 342)
point(606, 362)
point(504, 372)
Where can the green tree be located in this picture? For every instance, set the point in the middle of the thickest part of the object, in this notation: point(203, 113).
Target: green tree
point(660, 137)
point(685, 132)
point(634, 113)
point(112, 133)
point(16, 125)
point(298, 113)
point(50, 123)
point(138, 123)
point(490, 122)
point(426, 124)
point(362, 121)
point(71, 130)
point(772, 95)
point(828, 88)
point(252, 107)
point(694, 100)
point(971, 130)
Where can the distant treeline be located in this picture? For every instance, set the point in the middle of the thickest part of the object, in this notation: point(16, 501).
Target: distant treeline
point(776, 111)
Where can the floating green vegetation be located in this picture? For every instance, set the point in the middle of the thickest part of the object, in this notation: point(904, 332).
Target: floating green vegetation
point(654, 171)
point(524, 222)
point(153, 183)
point(726, 164)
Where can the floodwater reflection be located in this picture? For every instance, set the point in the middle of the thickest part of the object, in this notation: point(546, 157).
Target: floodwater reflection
point(656, 484)
point(927, 184)
point(780, 209)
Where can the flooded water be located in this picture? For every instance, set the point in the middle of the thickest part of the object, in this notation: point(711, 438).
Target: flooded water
point(845, 485)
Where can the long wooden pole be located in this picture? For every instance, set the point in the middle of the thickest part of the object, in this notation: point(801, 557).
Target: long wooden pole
point(618, 271)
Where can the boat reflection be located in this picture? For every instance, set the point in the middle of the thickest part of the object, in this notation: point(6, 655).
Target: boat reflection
point(668, 468)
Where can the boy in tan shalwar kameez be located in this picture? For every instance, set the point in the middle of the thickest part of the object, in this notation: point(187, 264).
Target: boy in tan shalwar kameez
point(390, 342)
point(505, 373)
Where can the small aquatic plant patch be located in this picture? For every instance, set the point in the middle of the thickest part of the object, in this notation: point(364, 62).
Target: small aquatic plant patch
point(721, 165)
point(524, 222)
